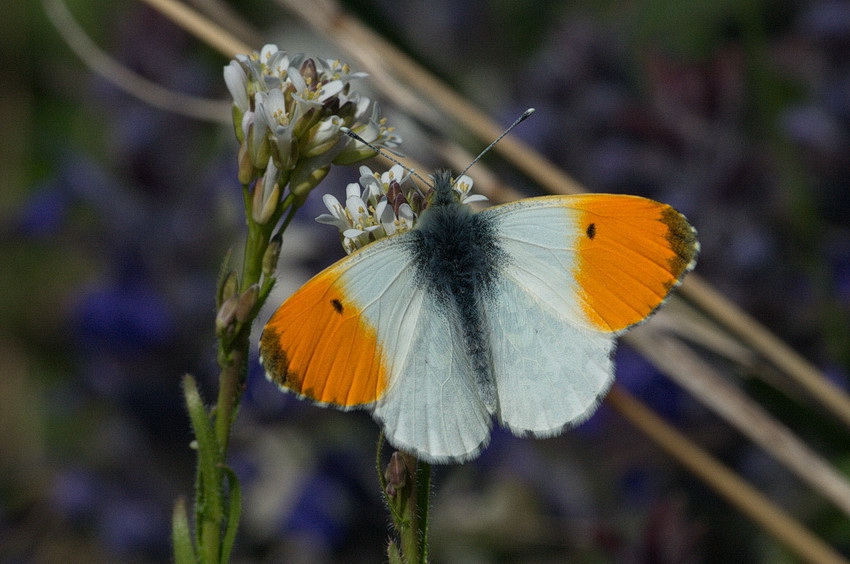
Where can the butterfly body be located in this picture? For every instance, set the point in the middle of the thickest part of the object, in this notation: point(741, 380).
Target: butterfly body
point(457, 258)
point(511, 312)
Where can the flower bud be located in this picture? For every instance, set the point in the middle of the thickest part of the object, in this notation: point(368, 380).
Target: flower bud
point(270, 257)
point(269, 207)
point(307, 119)
point(309, 72)
point(257, 139)
point(226, 315)
point(246, 303)
point(323, 137)
point(395, 474)
point(246, 167)
point(237, 116)
point(228, 287)
point(301, 184)
point(266, 195)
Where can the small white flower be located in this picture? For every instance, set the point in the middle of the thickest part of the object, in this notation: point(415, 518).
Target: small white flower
point(329, 90)
point(463, 186)
point(368, 215)
point(272, 107)
point(340, 71)
point(267, 51)
point(380, 185)
point(337, 217)
point(405, 218)
point(297, 105)
point(396, 222)
point(277, 64)
point(323, 137)
point(237, 84)
point(253, 70)
point(357, 210)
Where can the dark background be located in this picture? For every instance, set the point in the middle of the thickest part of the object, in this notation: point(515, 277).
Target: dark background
point(115, 217)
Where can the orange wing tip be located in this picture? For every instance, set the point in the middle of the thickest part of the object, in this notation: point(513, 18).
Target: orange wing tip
point(319, 345)
point(276, 365)
point(632, 253)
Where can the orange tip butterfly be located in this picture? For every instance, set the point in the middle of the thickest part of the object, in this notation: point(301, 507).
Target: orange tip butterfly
point(511, 312)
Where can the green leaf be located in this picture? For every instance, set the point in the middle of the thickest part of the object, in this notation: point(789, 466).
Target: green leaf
point(184, 551)
point(234, 512)
point(208, 507)
point(394, 554)
point(208, 452)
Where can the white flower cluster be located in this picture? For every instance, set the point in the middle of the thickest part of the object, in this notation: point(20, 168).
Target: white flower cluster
point(288, 111)
point(380, 206)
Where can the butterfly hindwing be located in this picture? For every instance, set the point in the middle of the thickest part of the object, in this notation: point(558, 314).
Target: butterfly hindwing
point(434, 409)
point(549, 374)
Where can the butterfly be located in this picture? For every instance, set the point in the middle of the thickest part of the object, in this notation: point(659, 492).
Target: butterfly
point(509, 313)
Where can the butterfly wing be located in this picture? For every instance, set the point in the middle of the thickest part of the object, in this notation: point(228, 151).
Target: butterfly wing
point(549, 373)
point(434, 409)
point(579, 270)
point(364, 334)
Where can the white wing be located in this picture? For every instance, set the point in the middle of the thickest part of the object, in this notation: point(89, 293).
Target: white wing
point(551, 369)
point(579, 270)
point(550, 374)
point(364, 334)
point(433, 408)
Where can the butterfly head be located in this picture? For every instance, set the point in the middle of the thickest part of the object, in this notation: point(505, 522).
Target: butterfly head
point(442, 192)
point(447, 191)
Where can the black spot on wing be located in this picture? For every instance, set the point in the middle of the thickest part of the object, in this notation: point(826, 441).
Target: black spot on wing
point(337, 305)
point(591, 231)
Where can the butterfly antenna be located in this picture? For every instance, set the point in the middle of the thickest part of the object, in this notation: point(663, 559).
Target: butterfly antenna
point(510, 128)
point(384, 153)
point(525, 115)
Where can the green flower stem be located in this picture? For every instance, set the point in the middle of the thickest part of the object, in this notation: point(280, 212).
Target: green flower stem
point(408, 527)
point(217, 515)
point(229, 391)
point(255, 246)
point(234, 511)
point(413, 502)
point(423, 504)
point(233, 354)
point(407, 491)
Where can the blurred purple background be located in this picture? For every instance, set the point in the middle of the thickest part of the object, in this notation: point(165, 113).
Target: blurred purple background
point(115, 217)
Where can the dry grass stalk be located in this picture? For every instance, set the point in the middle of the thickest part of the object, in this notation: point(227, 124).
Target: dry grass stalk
point(403, 81)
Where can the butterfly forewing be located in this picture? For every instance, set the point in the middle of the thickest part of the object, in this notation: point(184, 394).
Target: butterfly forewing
point(605, 261)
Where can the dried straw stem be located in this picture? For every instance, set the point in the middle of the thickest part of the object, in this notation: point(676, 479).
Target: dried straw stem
point(413, 89)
